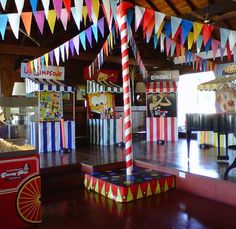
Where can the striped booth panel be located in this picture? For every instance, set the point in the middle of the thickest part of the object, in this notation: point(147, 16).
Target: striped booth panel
point(211, 138)
point(32, 134)
point(50, 136)
point(161, 87)
point(165, 128)
point(102, 86)
point(105, 131)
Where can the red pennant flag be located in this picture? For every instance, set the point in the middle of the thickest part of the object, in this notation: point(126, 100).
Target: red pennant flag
point(134, 190)
point(147, 17)
point(228, 51)
point(178, 49)
point(177, 34)
point(143, 187)
point(206, 31)
point(67, 4)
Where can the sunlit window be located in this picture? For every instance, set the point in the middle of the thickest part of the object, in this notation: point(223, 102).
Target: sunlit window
point(190, 100)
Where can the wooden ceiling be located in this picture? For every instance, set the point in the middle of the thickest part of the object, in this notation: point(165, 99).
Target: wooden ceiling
point(220, 13)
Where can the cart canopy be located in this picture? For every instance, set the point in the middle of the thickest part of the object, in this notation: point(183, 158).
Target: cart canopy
point(35, 85)
point(161, 87)
point(102, 86)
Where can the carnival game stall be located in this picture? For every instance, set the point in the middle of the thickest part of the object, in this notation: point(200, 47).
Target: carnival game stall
point(225, 103)
point(161, 119)
point(54, 134)
point(103, 126)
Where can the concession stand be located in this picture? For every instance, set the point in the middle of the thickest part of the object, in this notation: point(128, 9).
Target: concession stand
point(103, 126)
point(54, 133)
point(161, 94)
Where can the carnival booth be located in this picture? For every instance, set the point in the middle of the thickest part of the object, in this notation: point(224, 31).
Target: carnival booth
point(54, 133)
point(162, 108)
point(225, 103)
point(103, 126)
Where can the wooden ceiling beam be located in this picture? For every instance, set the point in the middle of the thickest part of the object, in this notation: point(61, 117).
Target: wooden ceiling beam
point(173, 7)
point(153, 6)
point(191, 5)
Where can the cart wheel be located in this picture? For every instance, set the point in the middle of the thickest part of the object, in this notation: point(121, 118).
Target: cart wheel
point(28, 200)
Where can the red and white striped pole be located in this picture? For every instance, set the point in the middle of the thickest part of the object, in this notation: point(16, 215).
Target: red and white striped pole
point(122, 22)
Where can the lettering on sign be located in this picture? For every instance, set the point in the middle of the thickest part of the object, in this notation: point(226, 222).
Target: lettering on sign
point(13, 174)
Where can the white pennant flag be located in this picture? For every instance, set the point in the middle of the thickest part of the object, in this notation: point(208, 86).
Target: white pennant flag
point(19, 5)
point(76, 44)
point(67, 49)
point(14, 20)
point(3, 3)
point(139, 11)
point(107, 7)
point(57, 55)
point(162, 39)
point(64, 18)
point(79, 8)
point(62, 50)
point(76, 17)
point(159, 17)
point(46, 4)
point(232, 39)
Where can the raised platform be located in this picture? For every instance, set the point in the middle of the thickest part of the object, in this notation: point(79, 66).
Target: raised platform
point(114, 184)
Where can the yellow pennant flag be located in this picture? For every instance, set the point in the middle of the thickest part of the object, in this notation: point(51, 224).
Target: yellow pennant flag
point(182, 53)
point(52, 19)
point(197, 28)
point(190, 40)
point(46, 59)
point(160, 29)
point(85, 14)
point(95, 8)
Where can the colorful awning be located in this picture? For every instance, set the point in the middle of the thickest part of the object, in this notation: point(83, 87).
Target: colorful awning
point(102, 86)
point(34, 85)
point(213, 85)
point(161, 87)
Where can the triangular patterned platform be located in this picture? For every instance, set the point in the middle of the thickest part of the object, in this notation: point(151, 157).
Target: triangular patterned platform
point(121, 188)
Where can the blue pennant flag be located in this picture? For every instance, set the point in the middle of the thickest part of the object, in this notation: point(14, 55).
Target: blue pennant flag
point(33, 4)
point(208, 45)
point(167, 29)
point(95, 31)
point(130, 16)
point(155, 41)
point(186, 28)
point(82, 37)
point(3, 24)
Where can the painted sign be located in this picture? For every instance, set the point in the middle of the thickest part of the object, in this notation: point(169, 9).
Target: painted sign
point(50, 72)
point(102, 75)
point(172, 75)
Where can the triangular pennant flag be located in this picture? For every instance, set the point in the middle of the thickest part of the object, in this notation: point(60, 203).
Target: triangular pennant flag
point(46, 59)
point(79, 8)
point(76, 43)
point(162, 38)
point(64, 18)
point(214, 46)
point(14, 20)
point(159, 17)
point(57, 55)
point(67, 4)
point(208, 45)
point(57, 6)
point(42, 61)
point(177, 34)
point(67, 49)
point(197, 28)
point(95, 10)
point(228, 51)
point(88, 33)
point(3, 3)
point(114, 9)
point(224, 35)
point(82, 37)
point(52, 19)
point(168, 43)
point(72, 47)
point(234, 53)
point(27, 19)
point(33, 4)
point(190, 40)
point(232, 39)
point(101, 26)
point(160, 29)
point(51, 56)
point(206, 31)
point(85, 14)
point(95, 31)
point(62, 50)
point(150, 29)
point(186, 28)
point(19, 5)
point(167, 29)
point(3, 24)
point(155, 40)
point(89, 8)
point(199, 43)
point(130, 15)
point(147, 17)
point(222, 52)
point(46, 4)
point(175, 23)
point(35, 63)
point(178, 48)
point(139, 11)
point(76, 17)
point(172, 50)
point(39, 17)
point(107, 9)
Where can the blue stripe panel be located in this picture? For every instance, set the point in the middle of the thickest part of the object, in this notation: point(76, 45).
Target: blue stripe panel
point(50, 87)
point(61, 137)
point(57, 88)
point(65, 88)
point(53, 136)
point(41, 87)
point(69, 135)
point(45, 137)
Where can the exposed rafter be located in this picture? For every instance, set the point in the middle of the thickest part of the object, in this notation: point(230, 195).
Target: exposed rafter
point(173, 7)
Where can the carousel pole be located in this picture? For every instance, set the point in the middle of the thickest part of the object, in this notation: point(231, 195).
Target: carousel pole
point(122, 23)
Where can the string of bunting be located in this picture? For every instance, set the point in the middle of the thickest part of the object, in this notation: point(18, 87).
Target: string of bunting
point(61, 53)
